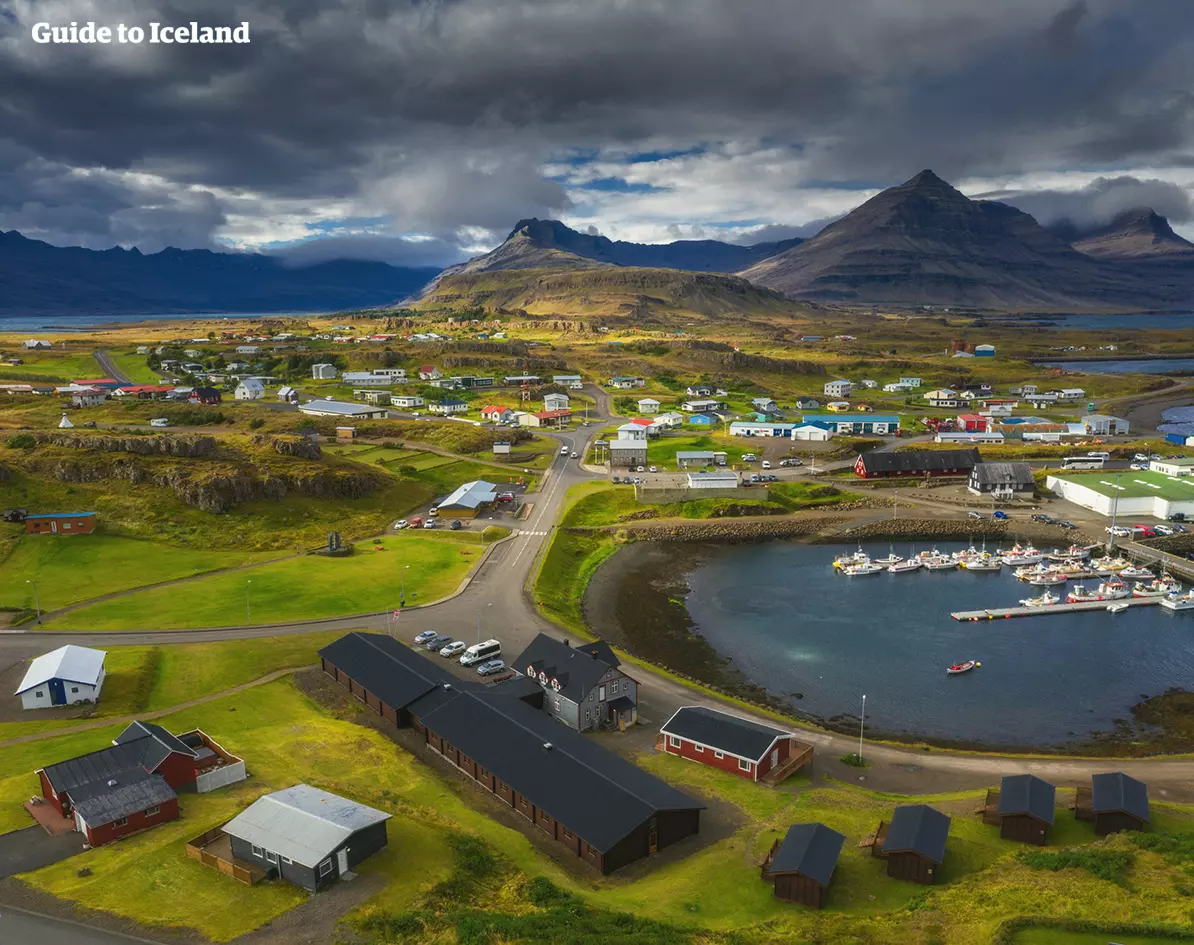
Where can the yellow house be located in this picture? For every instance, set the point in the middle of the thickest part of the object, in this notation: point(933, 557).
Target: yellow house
point(838, 406)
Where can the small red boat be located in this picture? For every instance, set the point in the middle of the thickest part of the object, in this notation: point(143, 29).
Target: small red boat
point(963, 667)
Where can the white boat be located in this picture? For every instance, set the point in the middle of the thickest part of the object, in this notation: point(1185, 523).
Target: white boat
point(900, 567)
point(1179, 602)
point(1073, 553)
point(939, 564)
point(989, 563)
point(1020, 554)
point(1028, 572)
point(861, 568)
point(1048, 599)
point(1047, 580)
point(1117, 608)
point(1134, 572)
point(858, 557)
point(888, 560)
point(1108, 563)
point(1163, 586)
point(1107, 590)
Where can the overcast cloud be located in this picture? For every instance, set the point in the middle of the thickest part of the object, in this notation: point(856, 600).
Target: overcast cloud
point(420, 130)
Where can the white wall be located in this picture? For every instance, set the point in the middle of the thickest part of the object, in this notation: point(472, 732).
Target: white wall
point(218, 778)
point(30, 699)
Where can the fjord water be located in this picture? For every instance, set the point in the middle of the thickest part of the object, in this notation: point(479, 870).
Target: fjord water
point(793, 625)
point(1149, 366)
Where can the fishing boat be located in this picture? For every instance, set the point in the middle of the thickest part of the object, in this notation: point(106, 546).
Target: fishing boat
point(1118, 608)
point(1072, 553)
point(1164, 586)
point(941, 563)
point(987, 563)
point(959, 668)
point(1047, 580)
point(1132, 571)
point(1020, 554)
point(900, 567)
point(1109, 563)
point(861, 568)
point(858, 557)
point(890, 559)
point(1179, 602)
point(1028, 572)
point(1048, 599)
point(1107, 590)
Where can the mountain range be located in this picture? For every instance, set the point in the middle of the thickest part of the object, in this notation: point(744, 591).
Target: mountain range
point(40, 279)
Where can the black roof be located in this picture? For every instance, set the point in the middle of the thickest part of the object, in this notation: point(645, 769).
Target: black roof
point(1118, 792)
point(162, 743)
point(386, 667)
point(119, 794)
point(809, 849)
point(919, 460)
point(723, 731)
point(1027, 794)
point(1019, 474)
point(521, 687)
point(600, 649)
point(577, 671)
point(591, 791)
point(918, 828)
point(97, 765)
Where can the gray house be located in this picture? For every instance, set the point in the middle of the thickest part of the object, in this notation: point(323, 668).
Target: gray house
point(582, 685)
point(306, 836)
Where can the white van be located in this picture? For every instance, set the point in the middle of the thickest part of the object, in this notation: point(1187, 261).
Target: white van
point(159, 422)
point(480, 652)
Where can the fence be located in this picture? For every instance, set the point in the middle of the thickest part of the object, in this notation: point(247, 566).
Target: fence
point(212, 848)
point(220, 777)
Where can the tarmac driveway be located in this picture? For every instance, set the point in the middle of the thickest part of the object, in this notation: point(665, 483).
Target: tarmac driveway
point(32, 848)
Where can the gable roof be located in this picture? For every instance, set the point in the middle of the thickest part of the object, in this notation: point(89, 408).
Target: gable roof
point(1019, 474)
point(919, 460)
point(1118, 792)
point(386, 668)
point(809, 849)
point(70, 663)
point(470, 495)
point(600, 649)
point(97, 765)
point(721, 730)
point(918, 828)
point(576, 670)
point(119, 794)
point(591, 791)
point(302, 823)
point(1027, 794)
point(162, 742)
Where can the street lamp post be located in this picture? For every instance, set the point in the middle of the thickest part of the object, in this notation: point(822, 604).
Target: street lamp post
point(248, 606)
point(402, 596)
point(861, 726)
point(479, 622)
point(36, 601)
point(1114, 510)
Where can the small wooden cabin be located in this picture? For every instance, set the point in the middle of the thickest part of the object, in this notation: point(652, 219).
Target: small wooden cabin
point(1114, 802)
point(1022, 808)
point(913, 843)
point(801, 865)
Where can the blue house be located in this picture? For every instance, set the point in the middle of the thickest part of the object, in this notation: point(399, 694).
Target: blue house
point(857, 422)
point(703, 420)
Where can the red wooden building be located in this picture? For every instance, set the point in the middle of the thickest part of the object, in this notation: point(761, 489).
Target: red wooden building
point(750, 749)
point(972, 423)
point(885, 465)
point(60, 523)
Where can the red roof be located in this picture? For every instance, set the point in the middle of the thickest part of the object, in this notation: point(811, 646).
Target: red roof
point(553, 414)
point(492, 409)
point(642, 421)
point(970, 417)
point(427, 369)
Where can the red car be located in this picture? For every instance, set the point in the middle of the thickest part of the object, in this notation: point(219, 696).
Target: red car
point(1143, 531)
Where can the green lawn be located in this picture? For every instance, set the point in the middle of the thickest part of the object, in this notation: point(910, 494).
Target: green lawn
point(51, 364)
point(662, 450)
point(302, 588)
point(1052, 936)
point(136, 368)
point(69, 569)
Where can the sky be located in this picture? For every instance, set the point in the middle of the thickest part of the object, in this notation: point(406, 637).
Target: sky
point(420, 131)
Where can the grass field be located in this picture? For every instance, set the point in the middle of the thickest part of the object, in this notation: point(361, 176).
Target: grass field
point(302, 588)
point(1054, 936)
point(135, 368)
point(62, 366)
point(76, 568)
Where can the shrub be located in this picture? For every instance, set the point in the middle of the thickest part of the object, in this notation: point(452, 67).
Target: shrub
point(1111, 865)
point(22, 441)
point(853, 760)
point(256, 423)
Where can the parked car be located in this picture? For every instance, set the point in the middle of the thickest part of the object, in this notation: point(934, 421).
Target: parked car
point(617, 480)
point(438, 642)
point(652, 469)
point(491, 667)
point(430, 523)
point(456, 525)
point(790, 462)
point(1065, 523)
point(1139, 467)
point(1002, 516)
point(1143, 531)
point(1163, 530)
point(452, 649)
point(748, 457)
point(159, 422)
point(639, 469)
point(416, 522)
point(1178, 529)
point(1141, 457)
point(426, 636)
point(766, 464)
point(1119, 531)
point(506, 497)
point(638, 479)
point(975, 515)
point(1042, 517)
point(401, 523)
point(90, 424)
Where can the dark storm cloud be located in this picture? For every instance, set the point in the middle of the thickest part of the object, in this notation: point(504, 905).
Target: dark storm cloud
point(1101, 200)
point(437, 114)
point(388, 249)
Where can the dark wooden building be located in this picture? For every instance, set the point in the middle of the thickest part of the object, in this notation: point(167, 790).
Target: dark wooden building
point(603, 809)
point(884, 465)
point(1022, 808)
point(801, 865)
point(732, 743)
point(913, 843)
point(1114, 802)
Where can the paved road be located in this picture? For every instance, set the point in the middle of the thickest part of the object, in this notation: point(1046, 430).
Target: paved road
point(109, 368)
point(18, 927)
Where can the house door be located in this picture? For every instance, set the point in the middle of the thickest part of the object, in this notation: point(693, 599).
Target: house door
point(774, 758)
point(601, 693)
point(652, 837)
point(342, 861)
point(53, 526)
point(57, 692)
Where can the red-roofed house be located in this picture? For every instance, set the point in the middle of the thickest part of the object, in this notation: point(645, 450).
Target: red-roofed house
point(545, 418)
point(642, 422)
point(107, 383)
point(972, 423)
point(496, 414)
point(429, 372)
point(144, 391)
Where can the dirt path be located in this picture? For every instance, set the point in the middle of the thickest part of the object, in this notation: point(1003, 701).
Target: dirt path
point(155, 714)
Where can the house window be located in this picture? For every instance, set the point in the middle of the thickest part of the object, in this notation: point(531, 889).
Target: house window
point(557, 703)
point(743, 764)
point(41, 695)
point(719, 754)
point(285, 859)
point(258, 852)
point(700, 748)
point(74, 688)
point(613, 686)
point(591, 695)
point(151, 811)
point(120, 822)
point(586, 715)
point(673, 741)
point(325, 867)
point(271, 857)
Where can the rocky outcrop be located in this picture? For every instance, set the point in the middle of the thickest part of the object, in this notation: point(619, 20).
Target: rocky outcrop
point(728, 532)
point(301, 446)
point(186, 445)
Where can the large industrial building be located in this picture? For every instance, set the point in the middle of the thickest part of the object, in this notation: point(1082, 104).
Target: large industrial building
point(1131, 494)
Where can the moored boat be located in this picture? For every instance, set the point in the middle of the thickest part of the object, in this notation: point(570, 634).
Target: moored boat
point(1179, 602)
point(912, 564)
point(1118, 608)
point(1020, 554)
point(1107, 590)
point(1134, 572)
point(1163, 586)
point(1072, 553)
point(1047, 580)
point(965, 667)
point(1048, 599)
point(862, 567)
point(940, 564)
point(987, 563)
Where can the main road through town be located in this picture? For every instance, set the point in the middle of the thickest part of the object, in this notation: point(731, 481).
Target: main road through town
point(497, 602)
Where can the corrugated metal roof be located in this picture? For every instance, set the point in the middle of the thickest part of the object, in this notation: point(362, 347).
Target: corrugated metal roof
point(1118, 792)
point(302, 823)
point(102, 802)
point(337, 407)
point(1027, 794)
point(78, 664)
point(920, 829)
point(809, 849)
point(471, 495)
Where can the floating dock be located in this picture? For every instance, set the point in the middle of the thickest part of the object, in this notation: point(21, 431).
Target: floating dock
point(1001, 613)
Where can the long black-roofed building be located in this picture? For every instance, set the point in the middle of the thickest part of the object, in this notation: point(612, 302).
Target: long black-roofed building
point(875, 464)
point(802, 864)
point(604, 809)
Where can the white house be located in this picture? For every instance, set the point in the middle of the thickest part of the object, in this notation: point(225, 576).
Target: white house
point(448, 407)
point(250, 388)
point(406, 400)
point(838, 388)
point(571, 381)
point(247, 349)
point(700, 406)
point(397, 373)
point(910, 381)
point(365, 379)
point(897, 388)
point(1071, 393)
point(323, 372)
point(555, 401)
point(288, 395)
point(34, 343)
point(699, 390)
point(944, 397)
point(648, 405)
point(1175, 468)
point(626, 383)
point(632, 431)
point(429, 372)
point(669, 420)
point(88, 397)
point(868, 383)
point(66, 676)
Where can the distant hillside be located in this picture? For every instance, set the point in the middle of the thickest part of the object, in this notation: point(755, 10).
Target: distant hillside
point(1137, 234)
point(40, 279)
point(549, 244)
point(605, 290)
point(923, 242)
